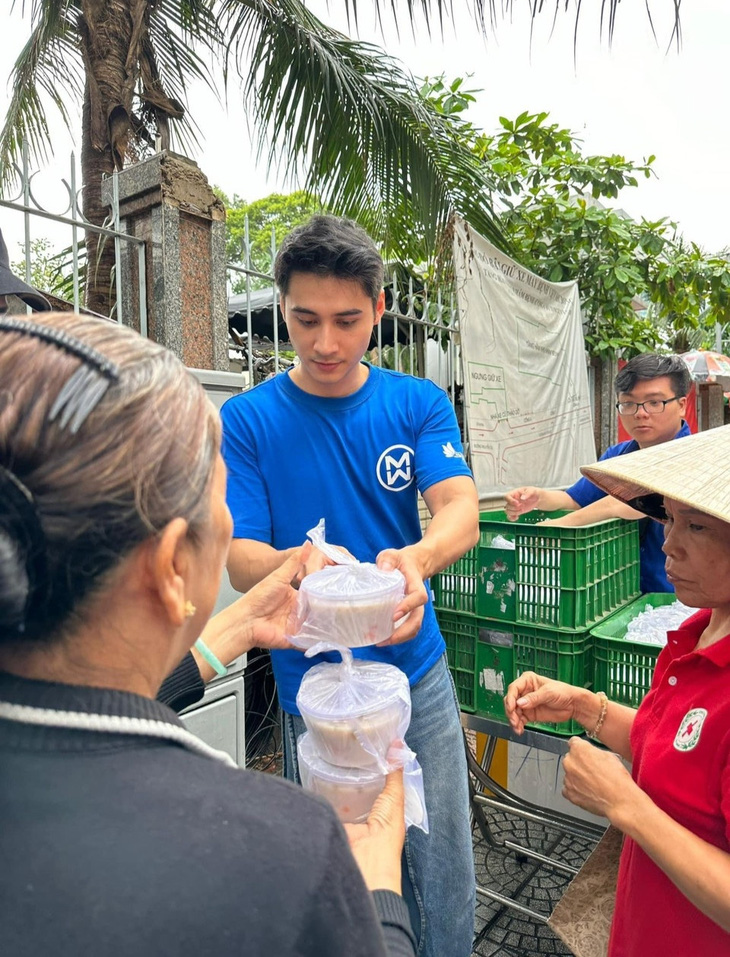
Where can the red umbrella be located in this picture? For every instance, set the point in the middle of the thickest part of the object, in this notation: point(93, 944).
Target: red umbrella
point(706, 366)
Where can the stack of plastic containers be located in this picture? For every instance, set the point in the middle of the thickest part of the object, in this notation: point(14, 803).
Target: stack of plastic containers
point(354, 710)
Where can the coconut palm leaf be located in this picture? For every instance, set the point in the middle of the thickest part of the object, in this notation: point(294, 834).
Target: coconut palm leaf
point(163, 61)
point(489, 13)
point(49, 64)
point(350, 119)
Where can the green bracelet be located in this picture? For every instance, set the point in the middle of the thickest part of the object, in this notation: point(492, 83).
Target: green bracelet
point(215, 663)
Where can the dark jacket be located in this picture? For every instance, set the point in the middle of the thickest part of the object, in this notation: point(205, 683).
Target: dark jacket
point(124, 843)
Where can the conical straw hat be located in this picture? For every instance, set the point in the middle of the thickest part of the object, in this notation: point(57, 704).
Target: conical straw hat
point(694, 470)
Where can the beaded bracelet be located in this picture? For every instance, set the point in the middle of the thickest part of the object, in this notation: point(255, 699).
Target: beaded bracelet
point(215, 663)
point(601, 717)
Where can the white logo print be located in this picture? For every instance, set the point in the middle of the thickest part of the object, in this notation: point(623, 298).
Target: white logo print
point(395, 468)
point(450, 452)
point(688, 735)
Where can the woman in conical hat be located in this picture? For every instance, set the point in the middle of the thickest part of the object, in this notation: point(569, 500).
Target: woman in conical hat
point(673, 893)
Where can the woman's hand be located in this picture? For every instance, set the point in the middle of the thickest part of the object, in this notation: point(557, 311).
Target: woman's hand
point(258, 619)
point(377, 844)
point(316, 560)
point(596, 780)
point(270, 605)
point(533, 698)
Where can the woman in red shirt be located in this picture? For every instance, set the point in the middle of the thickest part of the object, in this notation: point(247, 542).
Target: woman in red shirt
point(673, 893)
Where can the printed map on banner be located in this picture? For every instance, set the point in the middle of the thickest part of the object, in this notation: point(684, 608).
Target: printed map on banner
point(525, 378)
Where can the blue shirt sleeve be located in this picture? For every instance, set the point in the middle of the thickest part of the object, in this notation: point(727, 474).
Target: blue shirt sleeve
point(439, 453)
point(584, 492)
point(246, 492)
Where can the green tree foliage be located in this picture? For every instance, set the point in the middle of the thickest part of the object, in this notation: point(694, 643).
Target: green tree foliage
point(556, 208)
point(46, 268)
point(341, 113)
point(277, 213)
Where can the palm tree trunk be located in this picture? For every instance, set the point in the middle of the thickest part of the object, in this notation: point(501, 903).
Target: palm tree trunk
point(95, 164)
point(107, 29)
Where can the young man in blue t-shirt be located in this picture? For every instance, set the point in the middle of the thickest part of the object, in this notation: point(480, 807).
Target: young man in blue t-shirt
point(337, 439)
point(651, 393)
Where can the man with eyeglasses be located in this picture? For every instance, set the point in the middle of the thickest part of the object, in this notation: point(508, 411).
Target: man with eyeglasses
point(651, 393)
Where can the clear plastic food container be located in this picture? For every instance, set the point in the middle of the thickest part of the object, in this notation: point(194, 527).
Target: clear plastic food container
point(351, 791)
point(355, 710)
point(350, 605)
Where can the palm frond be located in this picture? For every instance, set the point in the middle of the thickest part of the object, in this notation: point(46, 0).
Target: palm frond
point(49, 64)
point(175, 28)
point(488, 13)
point(352, 120)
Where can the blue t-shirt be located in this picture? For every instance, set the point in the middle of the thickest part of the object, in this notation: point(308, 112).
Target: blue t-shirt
point(652, 577)
point(358, 462)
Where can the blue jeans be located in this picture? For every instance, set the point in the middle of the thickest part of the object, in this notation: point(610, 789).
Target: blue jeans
point(438, 868)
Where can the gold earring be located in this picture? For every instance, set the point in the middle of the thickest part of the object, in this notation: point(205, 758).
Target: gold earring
point(190, 609)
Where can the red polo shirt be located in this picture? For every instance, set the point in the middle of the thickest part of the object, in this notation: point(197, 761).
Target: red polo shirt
point(680, 742)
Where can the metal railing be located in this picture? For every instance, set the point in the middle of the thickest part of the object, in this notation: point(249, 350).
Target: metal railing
point(23, 200)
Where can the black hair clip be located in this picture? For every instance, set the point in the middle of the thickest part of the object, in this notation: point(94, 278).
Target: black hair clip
point(84, 390)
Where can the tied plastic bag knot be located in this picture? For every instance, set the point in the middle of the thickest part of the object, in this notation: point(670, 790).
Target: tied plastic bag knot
point(337, 555)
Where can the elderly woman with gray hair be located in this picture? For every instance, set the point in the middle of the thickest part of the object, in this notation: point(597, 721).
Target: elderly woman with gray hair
point(673, 894)
point(122, 833)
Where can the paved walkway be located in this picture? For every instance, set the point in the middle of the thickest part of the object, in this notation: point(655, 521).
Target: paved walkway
point(501, 931)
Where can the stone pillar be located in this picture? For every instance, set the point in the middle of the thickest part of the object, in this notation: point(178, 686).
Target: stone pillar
point(605, 421)
point(167, 201)
point(710, 407)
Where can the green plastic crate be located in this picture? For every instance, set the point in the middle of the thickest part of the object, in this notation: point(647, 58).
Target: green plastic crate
point(624, 669)
point(456, 587)
point(557, 578)
point(460, 634)
point(505, 652)
point(485, 656)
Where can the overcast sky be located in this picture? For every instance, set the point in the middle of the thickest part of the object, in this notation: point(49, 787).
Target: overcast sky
point(635, 99)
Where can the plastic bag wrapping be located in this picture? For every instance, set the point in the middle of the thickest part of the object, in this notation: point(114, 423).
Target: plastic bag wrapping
point(353, 791)
point(316, 536)
point(350, 791)
point(401, 756)
point(348, 605)
point(355, 710)
point(652, 624)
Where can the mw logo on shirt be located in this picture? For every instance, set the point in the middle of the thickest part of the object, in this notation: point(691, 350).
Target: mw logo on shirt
point(395, 468)
point(688, 735)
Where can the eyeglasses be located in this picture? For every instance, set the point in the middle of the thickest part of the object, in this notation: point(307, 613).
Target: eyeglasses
point(651, 406)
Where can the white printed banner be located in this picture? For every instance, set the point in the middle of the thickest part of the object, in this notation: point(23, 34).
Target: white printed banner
point(525, 378)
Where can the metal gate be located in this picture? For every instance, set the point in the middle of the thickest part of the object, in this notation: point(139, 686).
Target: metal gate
point(24, 214)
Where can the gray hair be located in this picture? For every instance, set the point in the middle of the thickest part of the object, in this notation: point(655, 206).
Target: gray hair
point(144, 456)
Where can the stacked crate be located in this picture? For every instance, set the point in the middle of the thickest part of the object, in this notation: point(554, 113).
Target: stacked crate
point(503, 612)
point(624, 668)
